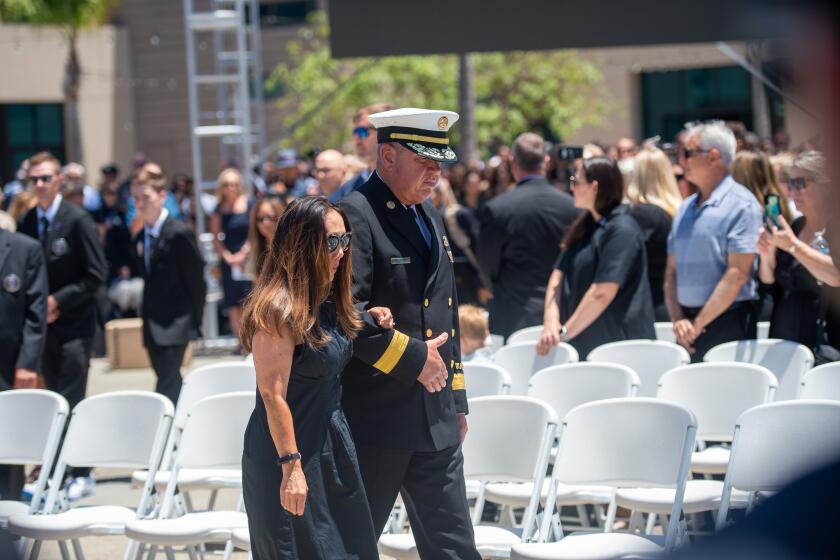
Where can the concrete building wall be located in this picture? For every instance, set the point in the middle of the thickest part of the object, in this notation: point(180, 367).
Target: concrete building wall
point(33, 61)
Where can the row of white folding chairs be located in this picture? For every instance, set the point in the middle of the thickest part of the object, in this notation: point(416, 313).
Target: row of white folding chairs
point(128, 429)
point(665, 330)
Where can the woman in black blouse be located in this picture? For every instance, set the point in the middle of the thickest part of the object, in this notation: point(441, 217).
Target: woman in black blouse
point(599, 290)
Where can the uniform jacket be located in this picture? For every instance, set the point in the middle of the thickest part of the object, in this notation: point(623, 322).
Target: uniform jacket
point(392, 266)
point(23, 304)
point(75, 268)
point(174, 288)
point(521, 231)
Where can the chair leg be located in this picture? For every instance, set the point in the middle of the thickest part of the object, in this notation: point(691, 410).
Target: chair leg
point(191, 552)
point(651, 523)
point(170, 554)
point(36, 550)
point(77, 549)
point(65, 553)
point(141, 550)
point(584, 517)
point(152, 552)
point(228, 550)
point(211, 502)
point(634, 525)
point(187, 502)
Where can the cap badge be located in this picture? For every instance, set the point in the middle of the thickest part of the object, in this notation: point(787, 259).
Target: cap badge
point(443, 122)
point(390, 204)
point(11, 283)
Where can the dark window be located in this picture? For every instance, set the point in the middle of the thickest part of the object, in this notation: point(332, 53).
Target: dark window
point(285, 12)
point(27, 128)
point(670, 99)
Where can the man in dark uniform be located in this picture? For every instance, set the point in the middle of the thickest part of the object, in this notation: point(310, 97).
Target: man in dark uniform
point(174, 288)
point(23, 328)
point(404, 392)
point(75, 271)
point(520, 238)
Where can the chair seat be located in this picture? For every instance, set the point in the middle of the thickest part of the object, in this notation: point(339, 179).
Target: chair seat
point(518, 494)
point(490, 542)
point(193, 479)
point(700, 495)
point(712, 460)
point(9, 508)
point(192, 528)
point(241, 538)
point(594, 546)
point(72, 524)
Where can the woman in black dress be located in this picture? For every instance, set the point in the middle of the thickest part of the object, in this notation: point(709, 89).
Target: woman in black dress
point(303, 492)
point(795, 261)
point(229, 226)
point(599, 290)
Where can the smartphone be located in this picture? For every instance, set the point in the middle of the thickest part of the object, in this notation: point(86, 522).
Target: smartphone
point(772, 210)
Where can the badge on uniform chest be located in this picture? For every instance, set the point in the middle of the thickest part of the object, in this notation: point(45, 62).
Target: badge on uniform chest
point(448, 249)
point(400, 260)
point(11, 283)
point(59, 246)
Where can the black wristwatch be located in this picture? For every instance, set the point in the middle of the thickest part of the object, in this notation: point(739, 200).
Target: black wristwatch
point(288, 458)
point(564, 336)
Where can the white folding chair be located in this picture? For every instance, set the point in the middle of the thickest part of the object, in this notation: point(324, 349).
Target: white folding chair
point(123, 429)
point(212, 439)
point(665, 331)
point(563, 388)
point(493, 342)
point(631, 442)
point(528, 334)
point(787, 360)
point(524, 428)
point(31, 423)
point(202, 382)
point(485, 380)
point(762, 329)
point(521, 361)
point(648, 358)
point(717, 393)
point(776, 443)
point(822, 382)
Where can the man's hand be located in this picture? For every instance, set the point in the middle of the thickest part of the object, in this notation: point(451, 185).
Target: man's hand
point(53, 312)
point(686, 334)
point(383, 317)
point(433, 377)
point(462, 426)
point(25, 379)
point(484, 296)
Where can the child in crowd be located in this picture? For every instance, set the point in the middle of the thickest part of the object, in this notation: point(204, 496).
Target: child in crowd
point(474, 332)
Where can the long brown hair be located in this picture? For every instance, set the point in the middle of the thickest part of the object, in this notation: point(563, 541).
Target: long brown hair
point(259, 244)
point(753, 170)
point(295, 279)
point(610, 192)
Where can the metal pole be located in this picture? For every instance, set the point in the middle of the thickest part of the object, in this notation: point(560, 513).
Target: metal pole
point(244, 95)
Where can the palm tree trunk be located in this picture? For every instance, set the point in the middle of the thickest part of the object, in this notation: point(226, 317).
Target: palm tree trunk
point(71, 85)
point(468, 149)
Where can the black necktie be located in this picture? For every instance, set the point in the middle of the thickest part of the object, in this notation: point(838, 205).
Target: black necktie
point(45, 228)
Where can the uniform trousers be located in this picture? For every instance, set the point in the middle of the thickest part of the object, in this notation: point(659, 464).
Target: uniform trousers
point(166, 361)
point(736, 323)
point(433, 489)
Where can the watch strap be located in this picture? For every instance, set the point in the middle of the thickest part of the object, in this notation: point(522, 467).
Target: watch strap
point(288, 458)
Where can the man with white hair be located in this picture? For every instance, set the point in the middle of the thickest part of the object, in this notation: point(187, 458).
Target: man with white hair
point(710, 288)
point(74, 178)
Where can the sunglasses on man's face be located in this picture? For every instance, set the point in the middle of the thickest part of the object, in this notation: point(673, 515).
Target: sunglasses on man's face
point(796, 184)
point(334, 240)
point(686, 153)
point(362, 131)
point(33, 179)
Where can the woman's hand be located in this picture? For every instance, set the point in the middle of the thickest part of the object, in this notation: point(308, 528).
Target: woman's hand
point(765, 247)
point(549, 338)
point(293, 488)
point(781, 237)
point(382, 316)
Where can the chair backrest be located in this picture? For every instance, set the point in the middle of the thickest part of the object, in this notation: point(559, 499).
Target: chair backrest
point(31, 422)
point(214, 431)
point(648, 358)
point(493, 342)
point(822, 382)
point(520, 361)
point(528, 334)
point(665, 331)
point(484, 379)
point(637, 442)
point(786, 359)
point(777, 443)
point(214, 379)
point(717, 394)
point(567, 386)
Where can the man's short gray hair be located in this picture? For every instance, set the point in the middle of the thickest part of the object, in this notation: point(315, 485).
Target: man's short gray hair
point(813, 164)
point(78, 168)
point(713, 134)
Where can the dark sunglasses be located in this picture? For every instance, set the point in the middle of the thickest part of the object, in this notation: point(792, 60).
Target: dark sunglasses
point(686, 153)
point(679, 176)
point(333, 241)
point(264, 218)
point(796, 184)
point(33, 179)
point(362, 131)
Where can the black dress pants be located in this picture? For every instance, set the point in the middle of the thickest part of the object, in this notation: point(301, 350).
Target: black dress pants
point(736, 323)
point(11, 476)
point(166, 361)
point(433, 489)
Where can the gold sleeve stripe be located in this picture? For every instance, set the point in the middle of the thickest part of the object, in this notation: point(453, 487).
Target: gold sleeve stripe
point(418, 138)
point(458, 382)
point(388, 360)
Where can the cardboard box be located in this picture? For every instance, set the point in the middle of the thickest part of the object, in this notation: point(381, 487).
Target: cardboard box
point(124, 345)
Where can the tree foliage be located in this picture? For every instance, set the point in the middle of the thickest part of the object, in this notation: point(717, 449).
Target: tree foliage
point(550, 92)
point(73, 14)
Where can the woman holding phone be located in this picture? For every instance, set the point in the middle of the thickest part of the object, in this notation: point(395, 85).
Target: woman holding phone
point(300, 476)
point(794, 258)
